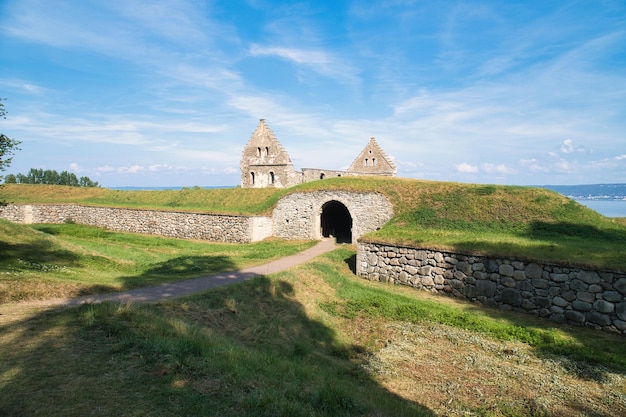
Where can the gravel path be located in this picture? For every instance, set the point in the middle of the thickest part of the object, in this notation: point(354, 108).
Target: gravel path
point(175, 289)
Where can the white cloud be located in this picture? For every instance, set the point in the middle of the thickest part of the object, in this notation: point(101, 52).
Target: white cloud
point(498, 169)
point(467, 168)
point(320, 61)
point(76, 168)
point(533, 165)
point(133, 169)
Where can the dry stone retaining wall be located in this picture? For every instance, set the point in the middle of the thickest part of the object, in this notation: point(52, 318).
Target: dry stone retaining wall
point(219, 228)
point(571, 295)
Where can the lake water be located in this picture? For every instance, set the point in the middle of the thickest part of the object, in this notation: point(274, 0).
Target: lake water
point(608, 208)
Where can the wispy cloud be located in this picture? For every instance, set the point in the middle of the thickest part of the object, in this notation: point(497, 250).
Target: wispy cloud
point(319, 61)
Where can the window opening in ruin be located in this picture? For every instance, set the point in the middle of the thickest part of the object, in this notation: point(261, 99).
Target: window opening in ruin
point(322, 176)
point(373, 162)
point(267, 151)
point(258, 151)
point(367, 162)
point(252, 177)
point(336, 221)
point(271, 177)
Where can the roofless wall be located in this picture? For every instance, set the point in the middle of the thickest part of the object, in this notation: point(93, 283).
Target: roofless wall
point(265, 163)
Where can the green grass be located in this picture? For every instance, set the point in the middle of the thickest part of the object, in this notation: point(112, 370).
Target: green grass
point(70, 259)
point(509, 221)
point(274, 346)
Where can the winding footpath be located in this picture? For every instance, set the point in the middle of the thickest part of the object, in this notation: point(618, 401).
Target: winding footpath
point(174, 289)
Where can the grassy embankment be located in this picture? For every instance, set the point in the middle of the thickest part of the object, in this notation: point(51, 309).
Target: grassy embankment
point(313, 341)
point(522, 222)
point(58, 261)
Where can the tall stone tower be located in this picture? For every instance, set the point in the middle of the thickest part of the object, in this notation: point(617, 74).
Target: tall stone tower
point(373, 161)
point(265, 163)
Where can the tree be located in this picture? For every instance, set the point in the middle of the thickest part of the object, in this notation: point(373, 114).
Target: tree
point(50, 177)
point(8, 146)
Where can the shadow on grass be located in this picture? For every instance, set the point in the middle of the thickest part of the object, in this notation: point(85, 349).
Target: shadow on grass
point(34, 255)
point(351, 262)
point(556, 231)
point(243, 350)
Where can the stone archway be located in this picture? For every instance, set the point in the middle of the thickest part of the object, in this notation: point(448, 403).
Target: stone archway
point(336, 221)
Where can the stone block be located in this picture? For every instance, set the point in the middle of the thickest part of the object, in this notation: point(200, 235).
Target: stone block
point(411, 270)
point(511, 297)
point(558, 301)
point(543, 302)
point(589, 277)
point(578, 285)
point(491, 266)
point(533, 271)
point(612, 296)
point(478, 266)
point(581, 306)
point(508, 282)
point(593, 288)
point(575, 316)
point(425, 270)
point(486, 288)
point(506, 270)
point(559, 277)
point(518, 265)
point(459, 275)
point(569, 295)
point(540, 283)
point(598, 318)
point(428, 282)
point(620, 325)
point(519, 275)
point(587, 297)
point(464, 267)
point(620, 309)
point(604, 306)
point(620, 285)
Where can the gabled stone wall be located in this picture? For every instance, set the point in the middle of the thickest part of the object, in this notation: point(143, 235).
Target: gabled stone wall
point(571, 295)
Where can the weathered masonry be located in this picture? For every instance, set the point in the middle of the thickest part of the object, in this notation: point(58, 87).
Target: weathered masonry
point(304, 215)
point(571, 295)
point(344, 215)
point(266, 163)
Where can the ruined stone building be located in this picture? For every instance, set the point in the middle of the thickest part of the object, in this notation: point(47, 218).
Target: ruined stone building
point(265, 163)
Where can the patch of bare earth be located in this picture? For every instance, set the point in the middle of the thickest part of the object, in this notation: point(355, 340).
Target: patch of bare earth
point(459, 373)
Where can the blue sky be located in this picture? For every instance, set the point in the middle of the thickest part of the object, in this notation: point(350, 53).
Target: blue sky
point(167, 92)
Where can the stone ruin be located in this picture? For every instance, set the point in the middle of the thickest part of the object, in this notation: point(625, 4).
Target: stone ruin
point(265, 163)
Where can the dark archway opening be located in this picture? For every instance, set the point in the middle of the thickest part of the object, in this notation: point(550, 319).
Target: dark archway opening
point(336, 221)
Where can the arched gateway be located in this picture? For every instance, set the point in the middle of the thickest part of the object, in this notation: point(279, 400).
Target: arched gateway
point(346, 215)
point(336, 221)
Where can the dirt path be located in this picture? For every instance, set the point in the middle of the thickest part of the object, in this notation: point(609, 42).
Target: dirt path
point(171, 290)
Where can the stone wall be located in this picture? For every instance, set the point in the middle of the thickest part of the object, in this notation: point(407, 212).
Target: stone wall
point(298, 215)
point(219, 228)
point(571, 295)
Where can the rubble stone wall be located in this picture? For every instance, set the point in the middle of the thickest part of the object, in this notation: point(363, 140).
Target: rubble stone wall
point(571, 295)
point(219, 228)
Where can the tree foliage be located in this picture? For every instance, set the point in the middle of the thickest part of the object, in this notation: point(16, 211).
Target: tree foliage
point(8, 146)
point(50, 177)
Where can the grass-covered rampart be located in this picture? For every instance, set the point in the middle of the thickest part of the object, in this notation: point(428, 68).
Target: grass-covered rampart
point(523, 222)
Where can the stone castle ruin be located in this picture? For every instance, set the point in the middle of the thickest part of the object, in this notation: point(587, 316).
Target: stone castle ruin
point(265, 163)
